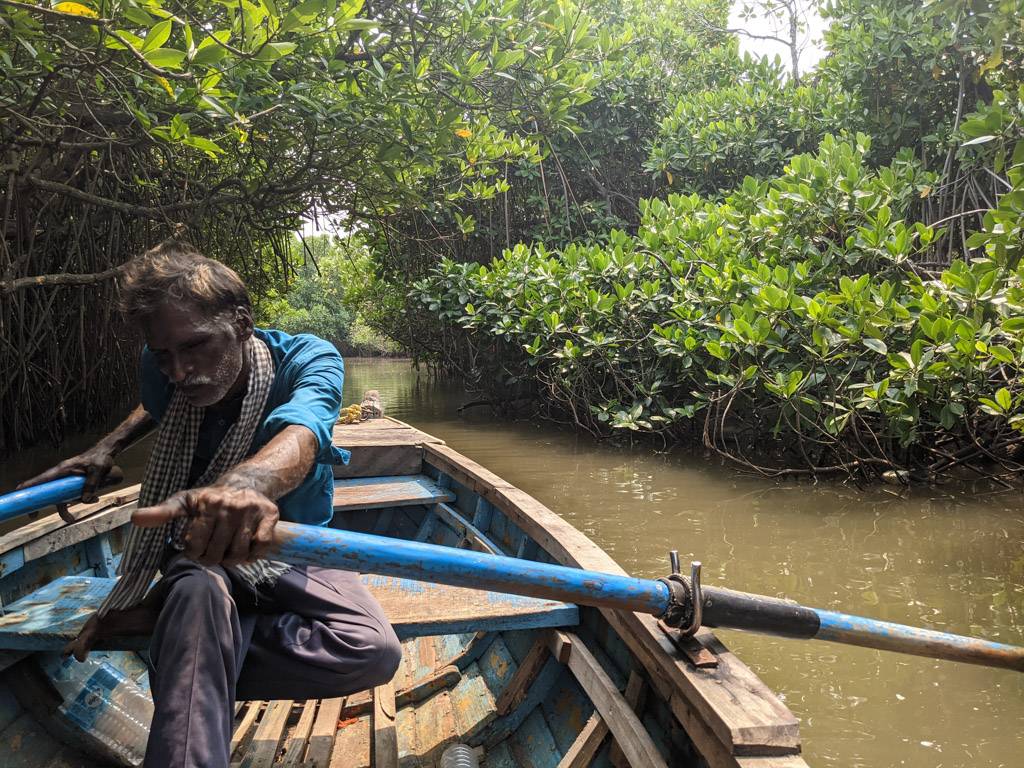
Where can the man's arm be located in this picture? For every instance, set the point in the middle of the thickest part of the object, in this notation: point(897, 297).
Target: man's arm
point(233, 520)
point(95, 464)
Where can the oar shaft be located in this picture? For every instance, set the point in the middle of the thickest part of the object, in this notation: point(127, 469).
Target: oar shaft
point(887, 636)
point(348, 550)
point(783, 618)
point(62, 491)
point(367, 553)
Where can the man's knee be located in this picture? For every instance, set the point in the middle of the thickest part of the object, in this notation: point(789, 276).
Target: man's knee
point(194, 588)
point(386, 655)
point(379, 655)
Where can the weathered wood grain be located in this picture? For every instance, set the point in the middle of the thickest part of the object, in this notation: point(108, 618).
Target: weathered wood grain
point(731, 702)
point(252, 712)
point(381, 447)
point(584, 749)
point(351, 745)
point(385, 733)
point(622, 721)
point(37, 528)
point(295, 744)
point(266, 742)
point(322, 737)
point(396, 491)
point(47, 618)
point(523, 678)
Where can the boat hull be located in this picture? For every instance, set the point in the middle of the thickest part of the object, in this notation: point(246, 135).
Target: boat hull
point(527, 683)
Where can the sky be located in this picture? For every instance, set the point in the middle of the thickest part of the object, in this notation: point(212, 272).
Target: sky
point(811, 51)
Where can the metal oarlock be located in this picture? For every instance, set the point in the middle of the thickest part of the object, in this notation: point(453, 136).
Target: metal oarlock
point(697, 598)
point(686, 601)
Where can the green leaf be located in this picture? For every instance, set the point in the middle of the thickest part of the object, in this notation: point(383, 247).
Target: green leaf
point(349, 24)
point(165, 58)
point(209, 147)
point(274, 51)
point(1004, 398)
point(157, 36)
point(1001, 353)
point(877, 345)
point(209, 52)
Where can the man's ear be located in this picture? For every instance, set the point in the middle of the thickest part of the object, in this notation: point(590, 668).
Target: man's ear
point(243, 323)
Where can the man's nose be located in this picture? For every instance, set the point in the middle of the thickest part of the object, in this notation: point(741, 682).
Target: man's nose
point(177, 371)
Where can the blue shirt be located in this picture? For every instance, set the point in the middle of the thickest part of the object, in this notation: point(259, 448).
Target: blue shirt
point(308, 376)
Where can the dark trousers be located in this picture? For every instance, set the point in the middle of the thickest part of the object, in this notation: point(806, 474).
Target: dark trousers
point(316, 633)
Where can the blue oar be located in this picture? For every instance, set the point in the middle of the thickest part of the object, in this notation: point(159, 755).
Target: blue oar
point(348, 550)
point(62, 491)
point(669, 599)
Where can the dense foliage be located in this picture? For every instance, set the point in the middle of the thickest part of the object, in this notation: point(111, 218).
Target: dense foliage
point(857, 315)
point(329, 296)
point(792, 313)
point(121, 118)
point(715, 138)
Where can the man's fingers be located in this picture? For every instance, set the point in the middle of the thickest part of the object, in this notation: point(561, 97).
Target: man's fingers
point(224, 531)
point(94, 477)
point(238, 552)
point(152, 517)
point(54, 473)
point(263, 537)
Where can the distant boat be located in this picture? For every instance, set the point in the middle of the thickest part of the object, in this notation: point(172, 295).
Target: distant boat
point(527, 682)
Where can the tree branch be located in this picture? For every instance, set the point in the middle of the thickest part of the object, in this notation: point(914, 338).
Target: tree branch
point(159, 213)
point(10, 286)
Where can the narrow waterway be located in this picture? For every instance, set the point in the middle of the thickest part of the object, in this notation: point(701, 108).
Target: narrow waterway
point(944, 558)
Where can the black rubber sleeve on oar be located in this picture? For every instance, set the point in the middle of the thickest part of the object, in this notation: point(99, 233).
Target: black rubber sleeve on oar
point(767, 615)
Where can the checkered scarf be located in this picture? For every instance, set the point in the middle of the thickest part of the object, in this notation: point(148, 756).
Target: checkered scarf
point(167, 473)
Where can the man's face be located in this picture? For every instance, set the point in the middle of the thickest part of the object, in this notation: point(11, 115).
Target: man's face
point(201, 354)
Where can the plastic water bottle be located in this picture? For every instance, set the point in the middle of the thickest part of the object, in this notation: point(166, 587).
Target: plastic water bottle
point(459, 756)
point(100, 700)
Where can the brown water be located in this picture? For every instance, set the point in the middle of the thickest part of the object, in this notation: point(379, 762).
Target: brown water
point(946, 558)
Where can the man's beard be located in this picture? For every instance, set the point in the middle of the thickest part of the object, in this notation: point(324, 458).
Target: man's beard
point(215, 387)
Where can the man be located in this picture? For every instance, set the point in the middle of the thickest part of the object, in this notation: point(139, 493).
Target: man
point(245, 420)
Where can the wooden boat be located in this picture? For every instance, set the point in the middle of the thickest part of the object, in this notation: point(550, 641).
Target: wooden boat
point(528, 682)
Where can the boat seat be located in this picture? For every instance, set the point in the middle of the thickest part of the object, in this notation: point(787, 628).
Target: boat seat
point(398, 491)
point(52, 615)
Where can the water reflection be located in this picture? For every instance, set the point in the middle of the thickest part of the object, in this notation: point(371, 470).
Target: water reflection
point(945, 558)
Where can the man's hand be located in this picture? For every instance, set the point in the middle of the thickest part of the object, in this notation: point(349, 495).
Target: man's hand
point(228, 525)
point(138, 621)
point(95, 465)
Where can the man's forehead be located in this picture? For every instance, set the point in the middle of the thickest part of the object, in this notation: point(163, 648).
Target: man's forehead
point(177, 322)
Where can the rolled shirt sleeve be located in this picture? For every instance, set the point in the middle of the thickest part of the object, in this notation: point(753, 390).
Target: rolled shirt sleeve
point(315, 400)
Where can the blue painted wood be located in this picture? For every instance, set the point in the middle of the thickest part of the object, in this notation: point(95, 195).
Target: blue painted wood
point(533, 743)
point(52, 615)
point(377, 492)
point(62, 491)
point(12, 561)
point(10, 709)
point(426, 527)
point(500, 757)
point(497, 667)
point(503, 727)
point(567, 711)
point(465, 528)
point(482, 514)
point(472, 704)
point(101, 557)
